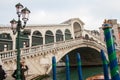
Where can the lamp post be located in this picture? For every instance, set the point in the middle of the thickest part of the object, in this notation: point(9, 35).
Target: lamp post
point(16, 27)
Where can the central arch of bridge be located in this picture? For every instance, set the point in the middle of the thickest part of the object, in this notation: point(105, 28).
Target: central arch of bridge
point(89, 56)
point(89, 52)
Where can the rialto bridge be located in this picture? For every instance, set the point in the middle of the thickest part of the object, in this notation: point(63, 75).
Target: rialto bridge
point(40, 42)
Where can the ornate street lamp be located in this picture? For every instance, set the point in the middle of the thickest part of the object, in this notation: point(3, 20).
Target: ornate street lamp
point(16, 26)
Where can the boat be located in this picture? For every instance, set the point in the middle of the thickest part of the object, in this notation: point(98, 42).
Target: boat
point(96, 77)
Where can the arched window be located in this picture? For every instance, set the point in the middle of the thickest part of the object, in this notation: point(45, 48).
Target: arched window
point(5, 42)
point(67, 34)
point(24, 40)
point(49, 37)
point(59, 35)
point(86, 36)
point(77, 30)
point(37, 38)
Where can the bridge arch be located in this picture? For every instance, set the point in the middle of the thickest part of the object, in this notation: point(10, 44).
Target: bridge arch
point(86, 46)
point(79, 46)
point(89, 56)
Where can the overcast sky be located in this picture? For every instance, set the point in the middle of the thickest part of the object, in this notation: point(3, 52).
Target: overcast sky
point(91, 12)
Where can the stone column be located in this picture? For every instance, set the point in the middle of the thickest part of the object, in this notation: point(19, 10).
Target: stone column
point(43, 40)
point(54, 38)
point(30, 41)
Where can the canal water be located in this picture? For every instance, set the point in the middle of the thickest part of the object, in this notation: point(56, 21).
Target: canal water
point(87, 72)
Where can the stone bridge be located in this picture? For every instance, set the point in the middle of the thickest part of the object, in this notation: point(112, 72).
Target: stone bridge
point(39, 43)
point(39, 58)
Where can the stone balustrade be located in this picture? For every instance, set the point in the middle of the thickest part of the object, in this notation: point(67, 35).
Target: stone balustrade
point(8, 54)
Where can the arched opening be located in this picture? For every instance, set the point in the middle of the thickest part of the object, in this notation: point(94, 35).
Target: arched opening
point(67, 34)
point(49, 37)
point(37, 38)
point(5, 42)
point(89, 56)
point(59, 35)
point(77, 30)
point(86, 36)
point(24, 40)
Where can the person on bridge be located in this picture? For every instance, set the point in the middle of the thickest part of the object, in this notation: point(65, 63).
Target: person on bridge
point(2, 73)
point(24, 68)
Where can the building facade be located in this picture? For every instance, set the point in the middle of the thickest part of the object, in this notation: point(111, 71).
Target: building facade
point(115, 32)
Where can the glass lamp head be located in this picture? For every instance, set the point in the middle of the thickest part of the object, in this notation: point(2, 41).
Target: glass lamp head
point(25, 14)
point(19, 7)
point(13, 24)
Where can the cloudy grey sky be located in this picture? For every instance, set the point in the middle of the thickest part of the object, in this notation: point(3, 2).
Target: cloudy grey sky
point(91, 12)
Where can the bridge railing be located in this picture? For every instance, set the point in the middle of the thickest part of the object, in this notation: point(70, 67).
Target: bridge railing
point(8, 54)
point(32, 50)
point(46, 47)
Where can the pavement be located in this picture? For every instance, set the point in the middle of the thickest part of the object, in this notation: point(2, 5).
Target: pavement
point(9, 78)
point(28, 76)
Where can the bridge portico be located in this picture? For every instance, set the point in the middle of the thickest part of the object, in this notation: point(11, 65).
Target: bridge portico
point(34, 35)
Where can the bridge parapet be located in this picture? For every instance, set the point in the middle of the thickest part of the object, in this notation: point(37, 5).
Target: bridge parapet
point(8, 54)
